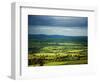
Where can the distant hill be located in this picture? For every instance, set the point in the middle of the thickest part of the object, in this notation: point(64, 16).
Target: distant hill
point(57, 38)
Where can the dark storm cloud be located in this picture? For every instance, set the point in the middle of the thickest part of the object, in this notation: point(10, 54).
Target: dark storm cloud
point(63, 21)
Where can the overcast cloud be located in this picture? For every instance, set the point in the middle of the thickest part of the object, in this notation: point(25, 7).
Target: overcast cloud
point(58, 25)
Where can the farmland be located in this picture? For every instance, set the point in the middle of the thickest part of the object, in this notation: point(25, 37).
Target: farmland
point(53, 50)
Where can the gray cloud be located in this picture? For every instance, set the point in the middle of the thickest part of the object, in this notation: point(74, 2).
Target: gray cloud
point(63, 21)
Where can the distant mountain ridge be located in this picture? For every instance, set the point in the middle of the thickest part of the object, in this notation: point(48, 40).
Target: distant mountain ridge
point(59, 36)
point(56, 38)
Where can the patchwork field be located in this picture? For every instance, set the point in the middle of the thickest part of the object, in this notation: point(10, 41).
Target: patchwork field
point(52, 50)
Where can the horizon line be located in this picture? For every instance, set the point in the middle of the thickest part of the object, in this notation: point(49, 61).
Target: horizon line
point(53, 35)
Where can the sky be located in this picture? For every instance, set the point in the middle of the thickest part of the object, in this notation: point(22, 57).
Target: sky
point(57, 25)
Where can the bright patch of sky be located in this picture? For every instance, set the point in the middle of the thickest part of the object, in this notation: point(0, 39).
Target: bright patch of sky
point(77, 31)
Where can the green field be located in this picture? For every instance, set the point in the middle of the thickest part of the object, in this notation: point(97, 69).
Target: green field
point(59, 51)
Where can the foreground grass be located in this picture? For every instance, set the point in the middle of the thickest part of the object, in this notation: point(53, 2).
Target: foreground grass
point(64, 63)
